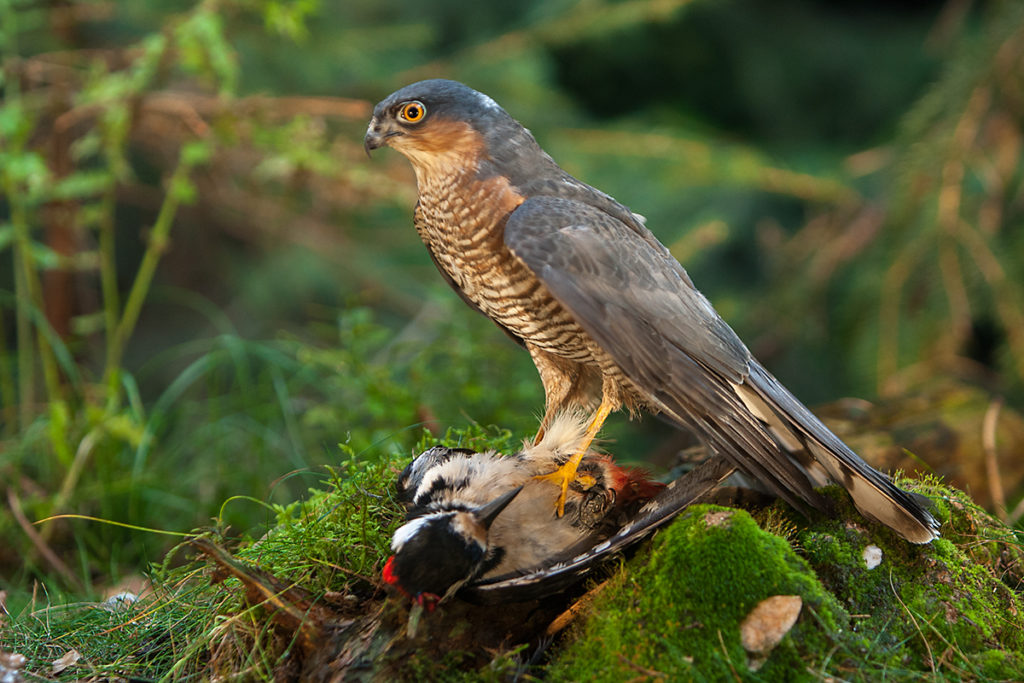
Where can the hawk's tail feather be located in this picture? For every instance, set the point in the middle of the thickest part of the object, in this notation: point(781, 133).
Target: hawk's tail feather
point(824, 455)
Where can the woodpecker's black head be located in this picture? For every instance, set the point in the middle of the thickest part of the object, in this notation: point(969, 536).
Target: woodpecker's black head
point(439, 552)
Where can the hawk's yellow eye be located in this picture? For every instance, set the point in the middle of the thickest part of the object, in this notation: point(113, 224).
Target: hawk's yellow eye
point(412, 112)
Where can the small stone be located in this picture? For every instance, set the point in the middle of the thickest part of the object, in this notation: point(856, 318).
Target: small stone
point(12, 660)
point(872, 556)
point(768, 622)
point(119, 601)
point(717, 518)
point(70, 658)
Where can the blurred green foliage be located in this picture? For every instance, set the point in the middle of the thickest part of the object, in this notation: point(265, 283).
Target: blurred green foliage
point(205, 287)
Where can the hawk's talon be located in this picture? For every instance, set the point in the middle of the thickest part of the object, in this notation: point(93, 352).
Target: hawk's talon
point(567, 473)
point(584, 482)
point(562, 477)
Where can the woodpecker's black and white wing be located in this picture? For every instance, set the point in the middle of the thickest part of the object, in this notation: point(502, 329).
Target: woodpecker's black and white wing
point(638, 304)
point(411, 478)
point(452, 478)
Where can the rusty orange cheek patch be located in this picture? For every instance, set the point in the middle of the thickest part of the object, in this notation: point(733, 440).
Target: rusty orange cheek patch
point(445, 137)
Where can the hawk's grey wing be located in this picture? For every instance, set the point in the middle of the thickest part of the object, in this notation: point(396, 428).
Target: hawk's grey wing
point(627, 292)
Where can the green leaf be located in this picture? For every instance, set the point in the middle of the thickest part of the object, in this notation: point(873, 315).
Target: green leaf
point(206, 52)
point(86, 146)
point(82, 184)
point(196, 152)
point(122, 426)
point(288, 18)
point(44, 256)
point(144, 69)
point(85, 325)
point(183, 190)
point(15, 124)
point(24, 171)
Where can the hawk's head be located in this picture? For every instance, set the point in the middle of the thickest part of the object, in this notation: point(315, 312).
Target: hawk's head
point(434, 118)
point(440, 125)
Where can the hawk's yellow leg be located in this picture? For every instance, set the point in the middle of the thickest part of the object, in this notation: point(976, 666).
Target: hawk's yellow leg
point(566, 474)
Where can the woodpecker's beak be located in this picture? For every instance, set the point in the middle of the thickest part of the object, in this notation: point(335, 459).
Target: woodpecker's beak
point(487, 513)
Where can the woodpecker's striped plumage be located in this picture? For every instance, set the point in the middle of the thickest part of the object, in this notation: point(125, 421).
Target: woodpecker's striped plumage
point(483, 515)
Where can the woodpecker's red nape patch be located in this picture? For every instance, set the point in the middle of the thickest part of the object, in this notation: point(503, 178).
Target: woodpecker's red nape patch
point(389, 575)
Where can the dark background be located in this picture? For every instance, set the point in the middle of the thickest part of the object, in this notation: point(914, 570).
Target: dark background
point(842, 179)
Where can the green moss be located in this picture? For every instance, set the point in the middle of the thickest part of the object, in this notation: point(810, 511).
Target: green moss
point(998, 664)
point(338, 537)
point(949, 608)
point(679, 613)
point(933, 606)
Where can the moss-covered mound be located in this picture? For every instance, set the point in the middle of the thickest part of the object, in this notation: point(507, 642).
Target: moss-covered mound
point(873, 606)
point(953, 605)
point(678, 611)
point(720, 594)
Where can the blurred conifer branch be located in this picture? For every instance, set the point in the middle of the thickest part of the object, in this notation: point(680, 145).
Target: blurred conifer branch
point(573, 23)
point(958, 205)
point(939, 246)
point(703, 162)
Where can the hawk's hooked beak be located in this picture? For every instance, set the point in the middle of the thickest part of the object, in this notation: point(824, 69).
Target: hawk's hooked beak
point(377, 136)
point(372, 141)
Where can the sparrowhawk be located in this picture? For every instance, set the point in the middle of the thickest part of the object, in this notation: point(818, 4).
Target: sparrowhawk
point(609, 317)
